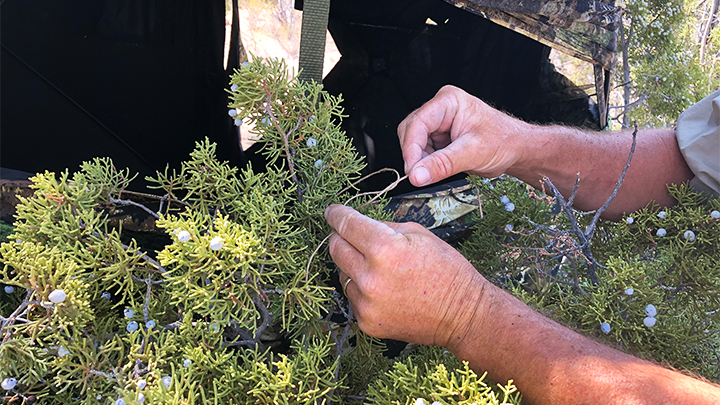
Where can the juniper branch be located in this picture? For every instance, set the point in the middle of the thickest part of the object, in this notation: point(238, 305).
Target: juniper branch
point(286, 138)
point(591, 228)
point(134, 204)
point(19, 311)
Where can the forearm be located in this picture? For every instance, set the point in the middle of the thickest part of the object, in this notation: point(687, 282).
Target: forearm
point(561, 153)
point(551, 364)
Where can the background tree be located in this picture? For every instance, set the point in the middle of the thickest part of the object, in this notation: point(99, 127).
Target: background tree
point(669, 52)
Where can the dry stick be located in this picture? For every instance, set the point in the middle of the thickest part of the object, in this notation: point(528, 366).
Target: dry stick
point(133, 203)
point(574, 190)
point(9, 321)
point(591, 228)
point(585, 237)
point(338, 353)
point(146, 309)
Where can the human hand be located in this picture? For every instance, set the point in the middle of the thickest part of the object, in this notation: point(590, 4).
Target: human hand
point(456, 132)
point(407, 284)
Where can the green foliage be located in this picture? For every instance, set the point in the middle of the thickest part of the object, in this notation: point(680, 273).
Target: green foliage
point(235, 308)
point(667, 74)
point(677, 273)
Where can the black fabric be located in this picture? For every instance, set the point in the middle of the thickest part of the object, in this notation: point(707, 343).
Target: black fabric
point(393, 61)
point(139, 81)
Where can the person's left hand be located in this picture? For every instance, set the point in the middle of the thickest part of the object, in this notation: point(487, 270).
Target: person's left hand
point(407, 284)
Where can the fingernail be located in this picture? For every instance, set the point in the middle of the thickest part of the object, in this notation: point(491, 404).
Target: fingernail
point(327, 209)
point(422, 175)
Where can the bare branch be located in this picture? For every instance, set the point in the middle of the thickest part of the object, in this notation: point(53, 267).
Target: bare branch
point(133, 203)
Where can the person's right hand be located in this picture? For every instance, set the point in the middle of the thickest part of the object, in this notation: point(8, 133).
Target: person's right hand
point(456, 132)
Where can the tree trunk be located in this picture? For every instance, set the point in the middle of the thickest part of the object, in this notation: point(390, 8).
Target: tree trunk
point(706, 30)
point(626, 74)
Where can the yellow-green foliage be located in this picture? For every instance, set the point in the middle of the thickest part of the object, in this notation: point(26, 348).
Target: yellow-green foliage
point(238, 307)
point(434, 375)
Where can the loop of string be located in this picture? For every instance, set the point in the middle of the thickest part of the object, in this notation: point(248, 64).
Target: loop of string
point(375, 194)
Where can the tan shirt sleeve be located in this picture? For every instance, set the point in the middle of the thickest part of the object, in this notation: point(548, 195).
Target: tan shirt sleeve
point(698, 135)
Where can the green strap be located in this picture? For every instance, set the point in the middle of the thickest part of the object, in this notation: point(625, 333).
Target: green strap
point(312, 39)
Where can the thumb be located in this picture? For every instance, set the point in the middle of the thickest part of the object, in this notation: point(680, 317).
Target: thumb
point(438, 165)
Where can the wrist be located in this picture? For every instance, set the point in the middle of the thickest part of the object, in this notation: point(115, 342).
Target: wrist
point(471, 328)
point(531, 142)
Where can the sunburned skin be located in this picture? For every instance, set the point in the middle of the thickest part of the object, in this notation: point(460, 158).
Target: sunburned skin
point(409, 285)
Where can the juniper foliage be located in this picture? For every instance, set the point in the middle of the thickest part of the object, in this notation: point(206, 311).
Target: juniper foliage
point(239, 307)
point(242, 305)
point(528, 252)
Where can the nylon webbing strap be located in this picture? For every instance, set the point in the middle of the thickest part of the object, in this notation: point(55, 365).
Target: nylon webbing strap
point(312, 39)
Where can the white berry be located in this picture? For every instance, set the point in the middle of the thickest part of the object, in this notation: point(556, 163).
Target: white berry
point(8, 383)
point(183, 236)
point(150, 324)
point(234, 87)
point(167, 380)
point(232, 113)
point(106, 295)
point(141, 398)
point(311, 142)
point(509, 207)
point(141, 384)
point(63, 351)
point(187, 363)
point(244, 64)
point(629, 291)
point(689, 235)
point(420, 401)
point(661, 232)
point(649, 321)
point(9, 289)
point(128, 313)
point(629, 220)
point(504, 199)
point(98, 397)
point(661, 214)
point(508, 227)
point(715, 214)
point(318, 163)
point(605, 327)
point(132, 326)
point(120, 402)
point(238, 122)
point(57, 296)
point(216, 243)
point(650, 310)
point(265, 121)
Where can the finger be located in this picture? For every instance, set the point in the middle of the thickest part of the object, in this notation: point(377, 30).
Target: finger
point(345, 282)
point(360, 231)
point(442, 163)
point(348, 259)
point(435, 116)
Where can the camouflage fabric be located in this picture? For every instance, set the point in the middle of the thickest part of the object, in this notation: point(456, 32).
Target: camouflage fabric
point(586, 29)
point(445, 210)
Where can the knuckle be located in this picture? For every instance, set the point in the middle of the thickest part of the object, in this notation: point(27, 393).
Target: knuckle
point(333, 244)
point(443, 163)
point(415, 227)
